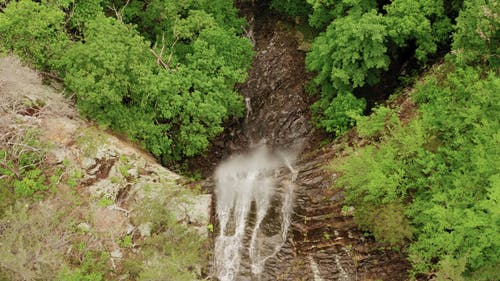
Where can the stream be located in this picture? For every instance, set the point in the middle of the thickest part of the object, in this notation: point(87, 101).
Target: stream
point(276, 217)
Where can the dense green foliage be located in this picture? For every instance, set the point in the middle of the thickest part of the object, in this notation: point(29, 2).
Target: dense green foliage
point(340, 113)
point(325, 12)
point(423, 22)
point(171, 93)
point(359, 41)
point(430, 186)
point(292, 8)
point(349, 53)
point(477, 38)
point(34, 31)
point(438, 177)
point(162, 72)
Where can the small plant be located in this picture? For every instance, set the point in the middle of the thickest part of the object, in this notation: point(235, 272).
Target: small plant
point(124, 170)
point(347, 210)
point(91, 268)
point(23, 170)
point(115, 180)
point(210, 227)
point(105, 202)
point(74, 178)
point(123, 159)
point(126, 242)
point(32, 182)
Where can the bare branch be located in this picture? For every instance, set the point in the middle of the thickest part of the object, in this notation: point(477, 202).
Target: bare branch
point(119, 13)
point(159, 60)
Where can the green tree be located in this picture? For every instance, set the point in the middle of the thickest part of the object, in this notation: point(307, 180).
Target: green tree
point(83, 11)
point(34, 31)
point(171, 94)
point(159, 18)
point(350, 54)
point(442, 167)
point(324, 12)
point(292, 8)
point(477, 36)
point(423, 21)
point(110, 73)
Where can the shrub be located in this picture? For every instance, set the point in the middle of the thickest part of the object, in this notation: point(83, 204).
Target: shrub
point(92, 268)
point(350, 53)
point(29, 243)
point(24, 173)
point(173, 251)
point(380, 122)
point(35, 32)
point(476, 39)
point(442, 168)
point(340, 114)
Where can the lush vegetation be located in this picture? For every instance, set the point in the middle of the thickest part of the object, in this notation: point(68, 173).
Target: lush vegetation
point(429, 186)
point(357, 43)
point(432, 186)
point(161, 72)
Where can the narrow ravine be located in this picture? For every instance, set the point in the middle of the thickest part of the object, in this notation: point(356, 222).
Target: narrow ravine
point(277, 105)
point(276, 217)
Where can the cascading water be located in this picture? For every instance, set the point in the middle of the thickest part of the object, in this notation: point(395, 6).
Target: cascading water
point(248, 106)
point(255, 193)
point(240, 181)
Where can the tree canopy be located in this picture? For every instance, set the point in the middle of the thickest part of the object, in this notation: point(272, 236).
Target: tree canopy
point(161, 72)
point(359, 39)
point(439, 174)
point(429, 186)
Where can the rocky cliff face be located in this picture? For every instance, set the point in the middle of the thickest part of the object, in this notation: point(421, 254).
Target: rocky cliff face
point(324, 243)
point(108, 188)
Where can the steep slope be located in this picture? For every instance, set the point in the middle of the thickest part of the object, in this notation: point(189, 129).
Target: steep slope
point(109, 202)
point(324, 243)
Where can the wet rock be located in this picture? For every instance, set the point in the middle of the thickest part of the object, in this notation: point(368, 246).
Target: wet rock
point(313, 181)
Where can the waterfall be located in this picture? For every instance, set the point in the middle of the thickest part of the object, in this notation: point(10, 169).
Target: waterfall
point(248, 107)
point(239, 182)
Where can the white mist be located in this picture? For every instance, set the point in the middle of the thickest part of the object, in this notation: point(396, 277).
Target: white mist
point(240, 181)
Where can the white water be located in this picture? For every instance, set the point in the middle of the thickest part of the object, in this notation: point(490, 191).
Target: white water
point(240, 181)
point(248, 106)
